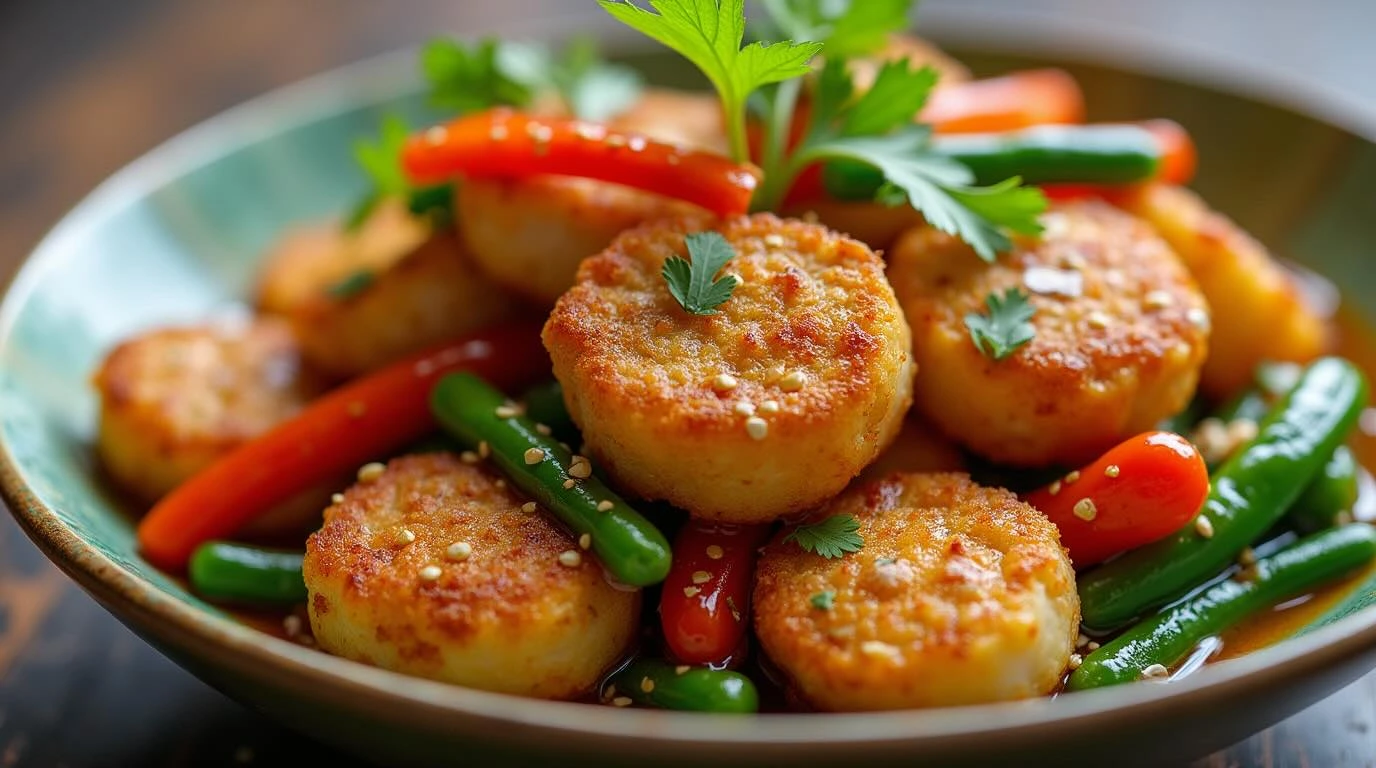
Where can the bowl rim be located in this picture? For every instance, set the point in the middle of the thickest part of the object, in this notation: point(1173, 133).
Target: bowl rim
point(426, 703)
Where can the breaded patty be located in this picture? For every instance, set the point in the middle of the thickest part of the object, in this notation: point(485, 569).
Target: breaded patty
point(430, 295)
point(432, 569)
point(961, 595)
point(531, 234)
point(1259, 313)
point(1121, 334)
point(766, 408)
point(173, 400)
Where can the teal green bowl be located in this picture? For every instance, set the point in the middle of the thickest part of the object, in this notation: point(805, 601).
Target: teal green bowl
point(175, 236)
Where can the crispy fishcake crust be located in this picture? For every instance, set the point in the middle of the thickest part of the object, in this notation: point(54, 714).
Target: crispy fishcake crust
point(640, 373)
point(961, 595)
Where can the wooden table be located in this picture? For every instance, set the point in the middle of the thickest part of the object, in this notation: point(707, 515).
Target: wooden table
point(88, 86)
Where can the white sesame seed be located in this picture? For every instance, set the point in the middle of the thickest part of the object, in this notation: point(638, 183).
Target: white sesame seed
point(878, 648)
point(774, 374)
point(459, 551)
point(774, 240)
point(604, 506)
point(681, 669)
point(570, 558)
point(622, 701)
point(1076, 660)
point(1204, 526)
point(1098, 319)
point(1054, 488)
point(701, 577)
point(691, 591)
point(646, 685)
point(430, 573)
point(468, 457)
point(585, 541)
point(580, 468)
point(1199, 317)
point(1092, 646)
point(756, 427)
point(1085, 509)
point(543, 429)
point(769, 406)
point(505, 411)
point(1241, 431)
point(529, 507)
point(406, 536)
point(793, 381)
point(1082, 640)
point(724, 382)
point(744, 408)
point(338, 498)
point(1072, 476)
point(1157, 300)
point(484, 450)
point(569, 483)
point(1154, 672)
point(371, 471)
point(1112, 470)
point(715, 552)
point(534, 455)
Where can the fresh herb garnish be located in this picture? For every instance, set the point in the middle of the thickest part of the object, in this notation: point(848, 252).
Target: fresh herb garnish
point(381, 161)
point(473, 76)
point(709, 33)
point(352, 285)
point(593, 89)
point(823, 601)
point(1005, 328)
point(690, 280)
point(832, 537)
point(846, 27)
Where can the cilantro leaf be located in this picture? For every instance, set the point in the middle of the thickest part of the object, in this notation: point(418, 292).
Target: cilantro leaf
point(898, 93)
point(691, 283)
point(709, 33)
point(847, 28)
point(466, 78)
point(593, 89)
point(832, 537)
point(823, 601)
point(1006, 327)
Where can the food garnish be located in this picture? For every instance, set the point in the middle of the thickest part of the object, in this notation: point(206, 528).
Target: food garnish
point(691, 281)
point(823, 601)
point(832, 537)
point(1006, 328)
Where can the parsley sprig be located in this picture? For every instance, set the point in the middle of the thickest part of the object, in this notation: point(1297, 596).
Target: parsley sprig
point(832, 537)
point(1005, 328)
point(691, 280)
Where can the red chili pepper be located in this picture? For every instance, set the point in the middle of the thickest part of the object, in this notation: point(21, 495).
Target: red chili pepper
point(1012, 101)
point(705, 606)
point(501, 142)
point(1144, 489)
point(358, 422)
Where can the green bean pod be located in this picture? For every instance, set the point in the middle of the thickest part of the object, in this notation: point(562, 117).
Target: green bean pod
point(1329, 495)
point(1249, 494)
point(1169, 636)
point(545, 405)
point(630, 547)
point(654, 683)
point(222, 570)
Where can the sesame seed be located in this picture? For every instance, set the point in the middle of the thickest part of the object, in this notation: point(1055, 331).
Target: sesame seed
point(1072, 476)
point(1199, 317)
point(436, 134)
point(430, 573)
point(622, 701)
point(604, 506)
point(1204, 526)
point(1154, 672)
point(468, 457)
point(569, 483)
point(774, 240)
point(534, 455)
point(356, 408)
point(585, 541)
point(1081, 641)
point(769, 406)
point(724, 382)
point(1076, 660)
point(1055, 487)
point(543, 429)
point(1092, 646)
point(529, 507)
point(1157, 300)
point(1085, 510)
point(774, 374)
point(292, 625)
point(793, 381)
point(878, 648)
point(681, 669)
point(406, 536)
point(580, 468)
point(1247, 556)
point(1098, 319)
point(756, 427)
point(691, 591)
point(1112, 470)
point(484, 450)
point(459, 551)
point(1241, 431)
point(715, 552)
point(701, 577)
point(371, 471)
point(338, 498)
point(744, 408)
point(570, 558)
point(842, 632)
point(646, 685)
point(505, 411)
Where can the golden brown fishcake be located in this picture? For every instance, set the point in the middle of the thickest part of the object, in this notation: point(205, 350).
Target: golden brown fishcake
point(173, 400)
point(961, 595)
point(430, 295)
point(1259, 313)
point(766, 408)
point(530, 235)
point(432, 569)
point(1121, 333)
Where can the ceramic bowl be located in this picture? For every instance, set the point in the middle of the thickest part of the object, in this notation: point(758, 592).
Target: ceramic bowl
point(175, 236)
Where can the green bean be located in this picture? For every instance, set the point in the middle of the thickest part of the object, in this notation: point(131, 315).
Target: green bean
point(1168, 637)
point(545, 405)
point(655, 683)
point(1328, 496)
point(1249, 494)
point(222, 570)
point(629, 546)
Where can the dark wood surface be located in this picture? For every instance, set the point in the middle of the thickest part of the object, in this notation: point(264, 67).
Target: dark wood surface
point(85, 86)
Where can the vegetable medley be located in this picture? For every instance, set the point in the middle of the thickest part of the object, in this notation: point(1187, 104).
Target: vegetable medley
point(859, 384)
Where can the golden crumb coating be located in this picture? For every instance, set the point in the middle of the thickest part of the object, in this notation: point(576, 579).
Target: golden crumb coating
point(766, 408)
point(1121, 333)
point(306, 262)
point(961, 595)
point(432, 569)
point(530, 235)
point(173, 400)
point(430, 295)
point(1259, 313)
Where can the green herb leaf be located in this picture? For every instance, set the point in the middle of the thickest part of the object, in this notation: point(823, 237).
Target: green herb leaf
point(823, 601)
point(1005, 328)
point(691, 283)
point(470, 77)
point(898, 93)
point(591, 88)
point(351, 285)
point(832, 537)
point(847, 28)
point(709, 33)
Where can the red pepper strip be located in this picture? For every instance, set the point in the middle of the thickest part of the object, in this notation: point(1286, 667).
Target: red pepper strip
point(705, 605)
point(358, 422)
point(501, 142)
point(1144, 489)
point(1016, 100)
